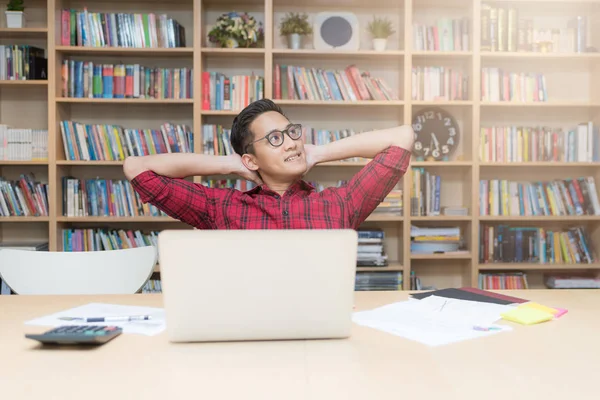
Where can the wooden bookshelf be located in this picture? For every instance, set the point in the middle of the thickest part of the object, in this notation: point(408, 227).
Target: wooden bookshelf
point(573, 83)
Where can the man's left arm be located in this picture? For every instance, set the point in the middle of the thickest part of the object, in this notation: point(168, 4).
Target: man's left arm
point(390, 150)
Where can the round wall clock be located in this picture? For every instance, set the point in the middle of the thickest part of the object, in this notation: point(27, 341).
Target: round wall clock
point(436, 134)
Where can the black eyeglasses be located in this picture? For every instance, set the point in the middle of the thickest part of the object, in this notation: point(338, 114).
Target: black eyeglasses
point(275, 137)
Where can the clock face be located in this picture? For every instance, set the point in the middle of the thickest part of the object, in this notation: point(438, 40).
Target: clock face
point(436, 134)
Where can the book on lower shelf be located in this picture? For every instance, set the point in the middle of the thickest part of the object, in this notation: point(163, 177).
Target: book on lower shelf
point(371, 252)
point(22, 62)
point(228, 93)
point(87, 79)
point(98, 239)
point(107, 142)
point(572, 280)
point(23, 144)
point(24, 197)
point(503, 280)
point(435, 240)
point(425, 193)
point(559, 197)
point(378, 280)
point(527, 244)
point(292, 82)
point(129, 30)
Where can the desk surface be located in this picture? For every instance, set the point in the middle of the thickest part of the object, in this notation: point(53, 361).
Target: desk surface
point(555, 360)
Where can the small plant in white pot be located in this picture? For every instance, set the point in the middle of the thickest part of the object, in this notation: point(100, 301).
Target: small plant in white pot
point(295, 26)
point(380, 29)
point(14, 14)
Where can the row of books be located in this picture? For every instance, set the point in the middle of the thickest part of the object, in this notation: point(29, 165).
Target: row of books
point(435, 240)
point(99, 239)
point(22, 62)
point(103, 142)
point(135, 30)
point(523, 244)
point(103, 198)
point(152, 286)
point(445, 35)
point(439, 83)
point(503, 280)
point(371, 251)
point(223, 92)
point(504, 29)
point(350, 84)
point(24, 197)
point(425, 192)
point(513, 143)
point(577, 196)
point(378, 280)
point(86, 79)
point(500, 85)
point(17, 144)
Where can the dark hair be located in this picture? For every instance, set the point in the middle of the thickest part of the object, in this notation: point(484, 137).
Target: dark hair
point(240, 129)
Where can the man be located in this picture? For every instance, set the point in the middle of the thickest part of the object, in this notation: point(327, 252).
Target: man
point(270, 151)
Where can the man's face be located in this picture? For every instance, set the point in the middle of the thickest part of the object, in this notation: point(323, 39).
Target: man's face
point(287, 161)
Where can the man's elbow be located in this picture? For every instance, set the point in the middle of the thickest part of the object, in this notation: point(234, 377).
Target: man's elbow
point(403, 136)
point(133, 166)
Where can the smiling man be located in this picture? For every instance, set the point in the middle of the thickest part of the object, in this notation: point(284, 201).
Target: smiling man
point(270, 152)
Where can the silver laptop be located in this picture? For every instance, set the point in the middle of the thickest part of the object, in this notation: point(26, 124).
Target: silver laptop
point(226, 285)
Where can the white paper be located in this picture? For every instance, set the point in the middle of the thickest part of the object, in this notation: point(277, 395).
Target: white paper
point(151, 327)
point(434, 321)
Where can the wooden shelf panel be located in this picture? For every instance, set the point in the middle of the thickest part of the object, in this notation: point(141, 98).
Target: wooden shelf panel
point(566, 218)
point(445, 54)
point(391, 267)
point(29, 33)
point(217, 51)
point(529, 55)
point(2, 162)
point(89, 163)
point(440, 103)
point(535, 267)
point(381, 217)
point(29, 82)
point(442, 256)
point(338, 103)
point(442, 218)
point(443, 164)
point(24, 219)
point(123, 101)
point(153, 52)
point(116, 219)
point(538, 104)
point(544, 164)
point(220, 112)
point(336, 53)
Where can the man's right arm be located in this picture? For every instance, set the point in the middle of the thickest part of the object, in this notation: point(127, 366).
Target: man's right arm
point(158, 179)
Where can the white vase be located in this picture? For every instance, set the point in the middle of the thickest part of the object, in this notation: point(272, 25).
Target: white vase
point(379, 44)
point(15, 19)
point(294, 41)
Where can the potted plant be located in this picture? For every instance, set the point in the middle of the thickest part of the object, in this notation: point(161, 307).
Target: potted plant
point(294, 26)
point(237, 30)
point(14, 14)
point(380, 29)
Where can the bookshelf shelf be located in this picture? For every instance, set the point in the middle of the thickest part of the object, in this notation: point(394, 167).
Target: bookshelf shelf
point(23, 82)
point(392, 267)
point(124, 51)
point(75, 100)
point(116, 219)
point(337, 53)
point(536, 267)
point(446, 256)
point(24, 219)
point(572, 83)
point(565, 218)
point(24, 163)
point(335, 103)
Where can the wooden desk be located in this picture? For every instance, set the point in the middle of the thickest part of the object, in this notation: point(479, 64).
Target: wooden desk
point(556, 360)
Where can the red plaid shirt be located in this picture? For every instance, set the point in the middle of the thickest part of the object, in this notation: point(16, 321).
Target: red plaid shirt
point(301, 207)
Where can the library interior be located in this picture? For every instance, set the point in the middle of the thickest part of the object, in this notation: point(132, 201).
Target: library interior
point(444, 239)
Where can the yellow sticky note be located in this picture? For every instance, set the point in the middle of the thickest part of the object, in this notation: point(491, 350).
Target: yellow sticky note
point(527, 316)
point(540, 307)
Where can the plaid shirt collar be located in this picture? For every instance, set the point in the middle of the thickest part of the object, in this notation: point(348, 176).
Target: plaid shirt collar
point(297, 187)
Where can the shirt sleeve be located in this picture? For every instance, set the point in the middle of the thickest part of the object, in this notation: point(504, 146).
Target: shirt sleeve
point(369, 187)
point(192, 203)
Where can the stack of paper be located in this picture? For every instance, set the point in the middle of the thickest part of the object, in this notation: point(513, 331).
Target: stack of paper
point(436, 320)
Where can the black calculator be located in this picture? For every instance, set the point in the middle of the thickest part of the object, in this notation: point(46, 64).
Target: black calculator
point(77, 334)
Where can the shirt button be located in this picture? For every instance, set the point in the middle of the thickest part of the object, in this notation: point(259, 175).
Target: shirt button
point(285, 213)
point(277, 196)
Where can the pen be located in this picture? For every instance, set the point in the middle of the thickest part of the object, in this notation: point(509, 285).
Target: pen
point(485, 329)
point(108, 319)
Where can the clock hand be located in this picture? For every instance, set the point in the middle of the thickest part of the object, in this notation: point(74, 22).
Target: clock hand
point(437, 143)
